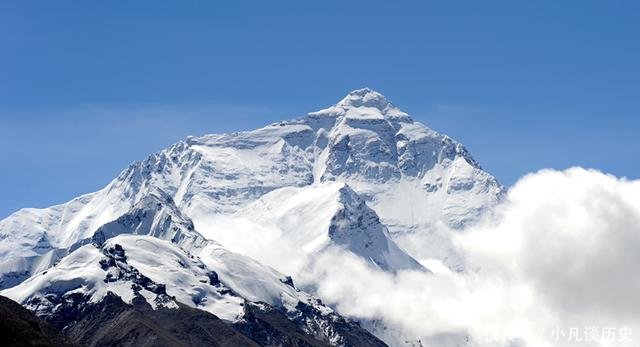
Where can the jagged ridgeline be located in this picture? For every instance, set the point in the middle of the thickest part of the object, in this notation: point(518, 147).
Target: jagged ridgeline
point(360, 176)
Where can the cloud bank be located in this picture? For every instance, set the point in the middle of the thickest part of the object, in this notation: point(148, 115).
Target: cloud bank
point(556, 266)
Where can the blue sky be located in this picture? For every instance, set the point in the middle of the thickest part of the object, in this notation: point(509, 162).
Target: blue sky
point(86, 87)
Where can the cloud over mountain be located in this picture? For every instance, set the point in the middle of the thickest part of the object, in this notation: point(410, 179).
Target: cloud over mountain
point(561, 253)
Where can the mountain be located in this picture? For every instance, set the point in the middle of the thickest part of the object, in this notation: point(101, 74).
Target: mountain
point(21, 328)
point(360, 176)
point(415, 179)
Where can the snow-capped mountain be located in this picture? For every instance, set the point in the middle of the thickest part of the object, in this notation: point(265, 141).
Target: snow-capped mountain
point(129, 266)
point(413, 177)
point(360, 176)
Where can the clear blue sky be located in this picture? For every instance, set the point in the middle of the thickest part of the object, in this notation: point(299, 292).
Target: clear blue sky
point(86, 87)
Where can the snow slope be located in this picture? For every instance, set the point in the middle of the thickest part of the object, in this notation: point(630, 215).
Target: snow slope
point(128, 266)
point(315, 217)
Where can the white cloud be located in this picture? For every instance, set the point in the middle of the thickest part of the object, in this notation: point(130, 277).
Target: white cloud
point(563, 252)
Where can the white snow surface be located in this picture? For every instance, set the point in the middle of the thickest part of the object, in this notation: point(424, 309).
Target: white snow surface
point(318, 216)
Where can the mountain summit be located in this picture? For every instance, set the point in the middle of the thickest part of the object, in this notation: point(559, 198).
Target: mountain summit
point(364, 103)
point(365, 97)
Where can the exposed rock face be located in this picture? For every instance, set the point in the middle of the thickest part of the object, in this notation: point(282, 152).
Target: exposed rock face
point(21, 328)
point(112, 322)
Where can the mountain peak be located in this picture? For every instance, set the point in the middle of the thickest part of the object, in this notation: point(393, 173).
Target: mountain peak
point(366, 97)
point(364, 103)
